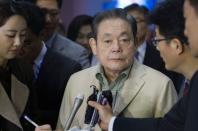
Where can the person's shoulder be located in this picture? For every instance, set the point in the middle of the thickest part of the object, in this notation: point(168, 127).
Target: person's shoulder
point(63, 63)
point(61, 59)
point(194, 80)
point(154, 73)
point(88, 72)
point(19, 65)
point(156, 81)
point(22, 70)
point(70, 43)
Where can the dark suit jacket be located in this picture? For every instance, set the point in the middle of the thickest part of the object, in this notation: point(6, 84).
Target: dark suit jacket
point(69, 49)
point(51, 82)
point(182, 117)
point(152, 59)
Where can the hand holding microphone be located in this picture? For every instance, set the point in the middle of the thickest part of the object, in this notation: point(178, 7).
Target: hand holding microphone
point(105, 113)
point(92, 115)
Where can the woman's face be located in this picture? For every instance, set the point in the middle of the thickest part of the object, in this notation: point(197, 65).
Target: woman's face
point(12, 35)
point(82, 37)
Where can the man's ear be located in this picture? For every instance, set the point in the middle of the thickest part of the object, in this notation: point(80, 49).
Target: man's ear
point(177, 45)
point(92, 43)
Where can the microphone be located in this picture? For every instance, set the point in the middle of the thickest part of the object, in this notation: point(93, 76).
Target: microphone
point(89, 109)
point(95, 115)
point(77, 103)
point(103, 98)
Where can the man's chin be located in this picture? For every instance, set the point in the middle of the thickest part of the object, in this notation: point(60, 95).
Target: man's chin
point(46, 35)
point(117, 67)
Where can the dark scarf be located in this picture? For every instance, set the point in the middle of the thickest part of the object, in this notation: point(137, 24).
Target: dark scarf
point(5, 79)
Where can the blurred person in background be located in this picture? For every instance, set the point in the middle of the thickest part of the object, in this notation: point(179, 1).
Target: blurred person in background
point(146, 52)
point(54, 40)
point(51, 69)
point(79, 30)
point(17, 96)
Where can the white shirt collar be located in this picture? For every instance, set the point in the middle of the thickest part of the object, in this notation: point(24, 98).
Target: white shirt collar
point(141, 50)
point(40, 57)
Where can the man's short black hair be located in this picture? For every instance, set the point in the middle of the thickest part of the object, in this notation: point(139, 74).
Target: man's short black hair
point(114, 13)
point(59, 2)
point(194, 4)
point(9, 8)
point(140, 8)
point(168, 16)
point(34, 16)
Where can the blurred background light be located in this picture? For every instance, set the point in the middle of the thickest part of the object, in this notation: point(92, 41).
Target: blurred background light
point(123, 3)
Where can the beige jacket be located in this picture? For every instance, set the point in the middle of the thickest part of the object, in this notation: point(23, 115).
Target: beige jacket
point(146, 93)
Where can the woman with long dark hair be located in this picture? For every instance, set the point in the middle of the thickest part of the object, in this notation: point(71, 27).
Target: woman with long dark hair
point(16, 91)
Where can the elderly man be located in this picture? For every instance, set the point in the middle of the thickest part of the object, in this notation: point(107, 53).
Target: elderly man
point(184, 115)
point(138, 90)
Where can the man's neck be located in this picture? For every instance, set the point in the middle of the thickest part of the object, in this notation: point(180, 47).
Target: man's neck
point(189, 68)
point(112, 76)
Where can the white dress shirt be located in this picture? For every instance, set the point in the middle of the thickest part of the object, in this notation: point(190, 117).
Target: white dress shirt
point(110, 127)
point(141, 52)
point(38, 61)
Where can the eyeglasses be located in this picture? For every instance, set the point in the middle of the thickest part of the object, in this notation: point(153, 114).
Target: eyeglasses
point(155, 41)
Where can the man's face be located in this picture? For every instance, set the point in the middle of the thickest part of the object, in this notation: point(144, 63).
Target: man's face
point(51, 11)
point(82, 37)
point(167, 50)
point(142, 27)
point(191, 26)
point(31, 47)
point(114, 46)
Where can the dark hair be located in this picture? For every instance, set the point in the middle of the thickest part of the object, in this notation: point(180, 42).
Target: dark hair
point(140, 8)
point(168, 16)
point(59, 2)
point(194, 4)
point(111, 14)
point(34, 16)
point(8, 9)
point(76, 24)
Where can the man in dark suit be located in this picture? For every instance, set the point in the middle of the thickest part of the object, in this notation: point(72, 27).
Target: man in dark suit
point(146, 52)
point(51, 69)
point(56, 41)
point(184, 115)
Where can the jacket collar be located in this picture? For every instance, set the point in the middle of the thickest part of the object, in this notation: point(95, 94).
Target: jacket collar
point(130, 89)
point(12, 111)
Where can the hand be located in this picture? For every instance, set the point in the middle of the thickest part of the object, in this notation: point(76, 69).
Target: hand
point(105, 113)
point(43, 128)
